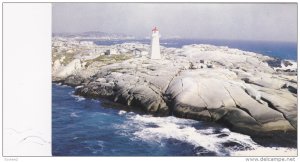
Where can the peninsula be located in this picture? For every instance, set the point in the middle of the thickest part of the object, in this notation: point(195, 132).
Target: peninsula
point(248, 92)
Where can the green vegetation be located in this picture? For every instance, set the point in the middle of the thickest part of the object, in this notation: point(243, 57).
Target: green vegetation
point(109, 59)
point(105, 58)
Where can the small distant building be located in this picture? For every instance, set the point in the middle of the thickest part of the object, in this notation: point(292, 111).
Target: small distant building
point(111, 52)
point(139, 52)
point(107, 52)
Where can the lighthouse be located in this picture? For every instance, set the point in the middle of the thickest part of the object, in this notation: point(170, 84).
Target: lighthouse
point(155, 48)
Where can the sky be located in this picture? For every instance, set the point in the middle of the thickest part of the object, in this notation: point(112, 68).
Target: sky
point(229, 21)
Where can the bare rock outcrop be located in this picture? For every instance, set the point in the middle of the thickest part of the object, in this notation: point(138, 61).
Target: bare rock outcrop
point(203, 82)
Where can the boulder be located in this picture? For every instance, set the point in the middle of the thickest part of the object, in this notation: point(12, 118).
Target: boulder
point(205, 96)
point(265, 81)
point(69, 69)
point(282, 101)
point(74, 80)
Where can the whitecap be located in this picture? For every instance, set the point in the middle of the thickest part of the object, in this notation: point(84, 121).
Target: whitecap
point(78, 98)
point(171, 128)
point(61, 85)
point(187, 134)
point(100, 144)
point(99, 114)
point(97, 101)
point(293, 65)
point(122, 112)
point(74, 115)
point(221, 142)
point(77, 87)
point(162, 120)
point(71, 93)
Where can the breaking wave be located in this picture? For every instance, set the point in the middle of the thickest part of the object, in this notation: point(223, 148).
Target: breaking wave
point(207, 140)
point(77, 98)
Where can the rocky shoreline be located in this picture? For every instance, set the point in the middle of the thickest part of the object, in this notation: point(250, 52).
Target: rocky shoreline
point(235, 88)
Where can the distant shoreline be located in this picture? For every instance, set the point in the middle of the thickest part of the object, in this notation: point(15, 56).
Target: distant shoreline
point(280, 50)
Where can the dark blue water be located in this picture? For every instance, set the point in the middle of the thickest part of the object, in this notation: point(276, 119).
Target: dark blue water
point(281, 50)
point(84, 127)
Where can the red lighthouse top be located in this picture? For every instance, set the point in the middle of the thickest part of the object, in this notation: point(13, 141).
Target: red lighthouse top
point(155, 29)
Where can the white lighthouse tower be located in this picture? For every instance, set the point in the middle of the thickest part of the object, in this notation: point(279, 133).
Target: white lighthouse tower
point(155, 48)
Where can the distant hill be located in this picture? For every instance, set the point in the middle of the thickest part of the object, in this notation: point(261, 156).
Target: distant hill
point(94, 35)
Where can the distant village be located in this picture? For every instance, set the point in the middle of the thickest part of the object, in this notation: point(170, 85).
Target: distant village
point(90, 50)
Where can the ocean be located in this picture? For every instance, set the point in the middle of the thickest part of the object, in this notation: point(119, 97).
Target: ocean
point(87, 127)
point(280, 50)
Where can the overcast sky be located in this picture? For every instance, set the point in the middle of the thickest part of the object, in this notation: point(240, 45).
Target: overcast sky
point(276, 22)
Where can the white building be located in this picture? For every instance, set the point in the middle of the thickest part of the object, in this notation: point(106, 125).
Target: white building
point(155, 47)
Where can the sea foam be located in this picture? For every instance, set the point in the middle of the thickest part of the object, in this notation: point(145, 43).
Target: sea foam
point(222, 142)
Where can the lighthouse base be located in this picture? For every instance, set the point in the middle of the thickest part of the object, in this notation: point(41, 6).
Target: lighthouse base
point(155, 49)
